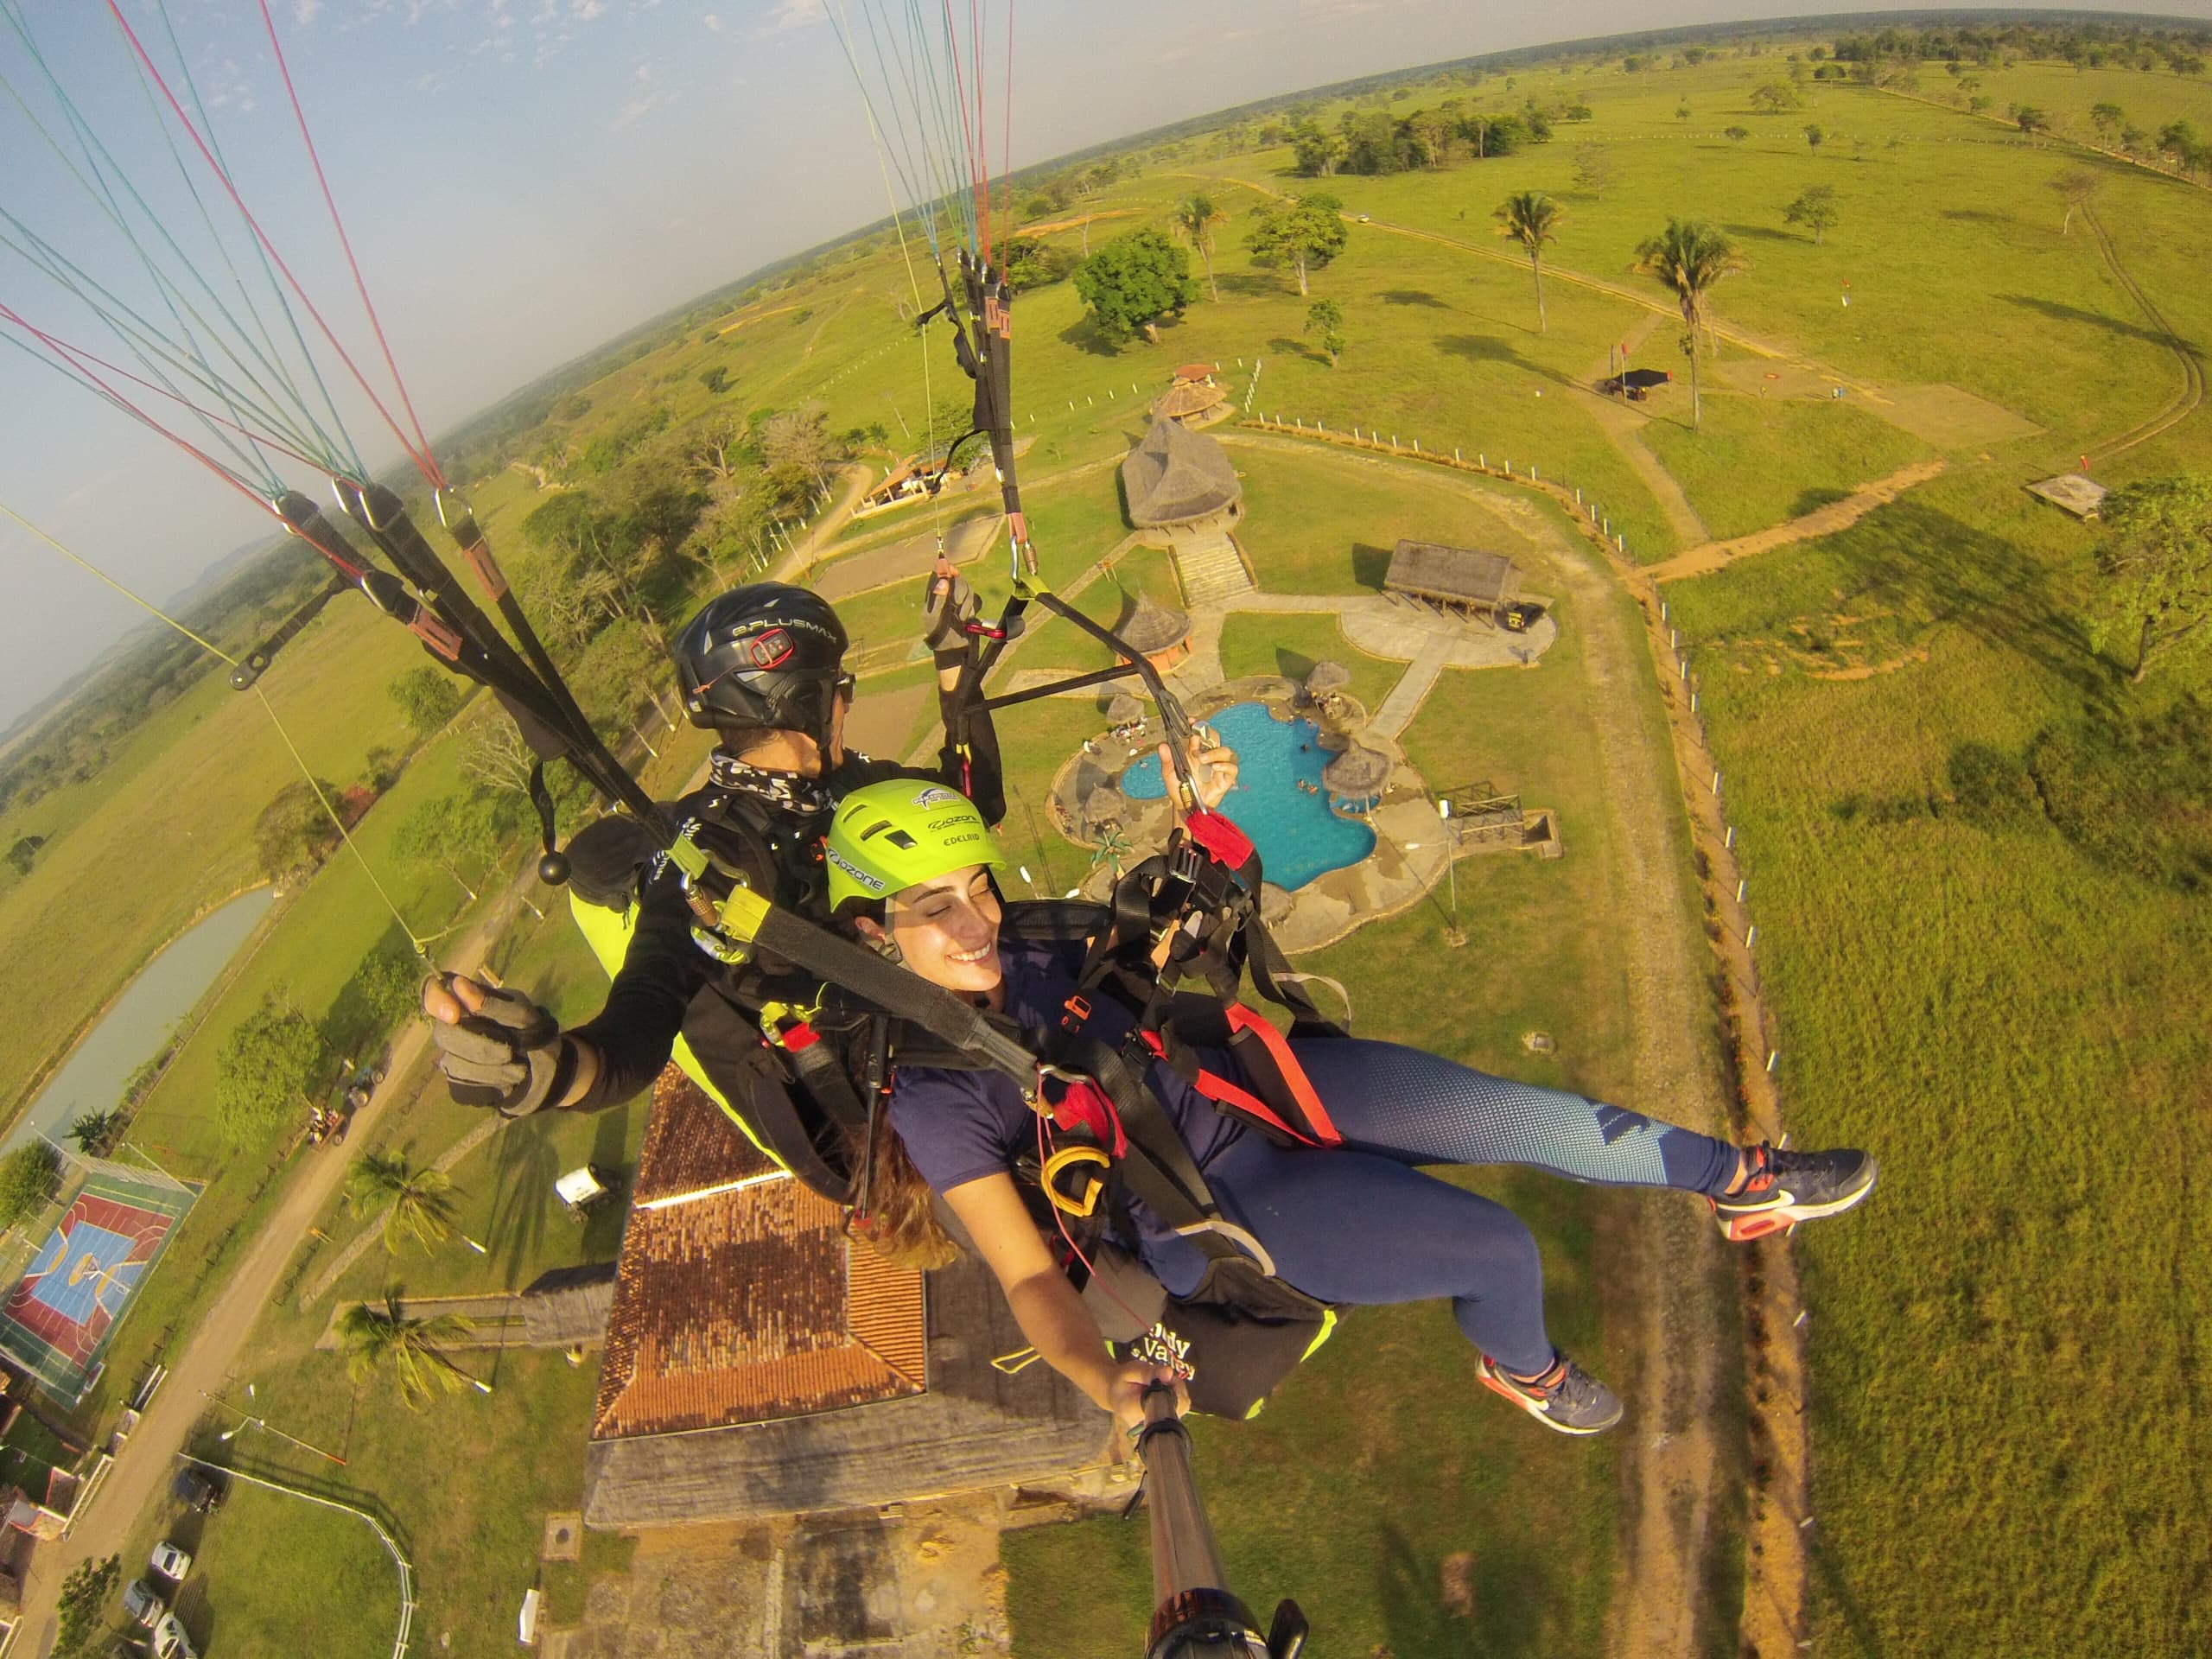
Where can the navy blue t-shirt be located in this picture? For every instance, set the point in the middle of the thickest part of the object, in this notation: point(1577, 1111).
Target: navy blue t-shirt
point(962, 1126)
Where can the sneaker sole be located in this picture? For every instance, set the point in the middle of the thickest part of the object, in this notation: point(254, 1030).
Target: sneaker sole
point(1535, 1408)
point(1742, 1226)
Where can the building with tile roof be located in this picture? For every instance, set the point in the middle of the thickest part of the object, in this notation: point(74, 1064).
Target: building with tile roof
point(759, 1363)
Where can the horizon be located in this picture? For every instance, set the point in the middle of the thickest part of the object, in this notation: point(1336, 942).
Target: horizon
point(84, 476)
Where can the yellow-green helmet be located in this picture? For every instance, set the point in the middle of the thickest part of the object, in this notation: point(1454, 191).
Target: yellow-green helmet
point(887, 837)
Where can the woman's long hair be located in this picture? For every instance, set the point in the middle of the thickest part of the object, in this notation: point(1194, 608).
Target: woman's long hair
point(900, 1223)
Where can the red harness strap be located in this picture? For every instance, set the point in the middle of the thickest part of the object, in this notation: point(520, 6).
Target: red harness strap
point(1317, 1129)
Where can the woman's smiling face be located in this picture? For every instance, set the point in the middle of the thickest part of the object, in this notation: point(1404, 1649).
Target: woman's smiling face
point(947, 929)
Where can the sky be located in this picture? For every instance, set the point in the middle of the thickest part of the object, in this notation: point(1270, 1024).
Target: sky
point(522, 179)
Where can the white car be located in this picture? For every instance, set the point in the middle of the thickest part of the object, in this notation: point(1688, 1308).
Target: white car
point(170, 1641)
point(170, 1562)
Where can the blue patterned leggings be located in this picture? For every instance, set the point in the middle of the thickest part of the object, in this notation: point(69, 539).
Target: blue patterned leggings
point(1361, 1225)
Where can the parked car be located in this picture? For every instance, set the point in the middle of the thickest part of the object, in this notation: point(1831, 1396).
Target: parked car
point(1520, 617)
point(170, 1562)
point(142, 1602)
point(170, 1641)
point(196, 1489)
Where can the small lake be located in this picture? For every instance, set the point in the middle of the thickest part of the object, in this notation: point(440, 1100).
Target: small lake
point(1279, 801)
point(131, 1031)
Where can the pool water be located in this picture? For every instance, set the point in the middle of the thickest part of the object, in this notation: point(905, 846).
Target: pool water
point(1298, 837)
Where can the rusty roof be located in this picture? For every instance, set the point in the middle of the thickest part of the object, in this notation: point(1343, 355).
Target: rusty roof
point(746, 1303)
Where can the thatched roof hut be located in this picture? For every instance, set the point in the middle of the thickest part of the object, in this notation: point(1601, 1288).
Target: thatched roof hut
point(1190, 372)
point(567, 1307)
point(1154, 630)
point(1104, 806)
point(1187, 400)
point(1358, 772)
point(1122, 710)
point(1089, 777)
point(1325, 678)
point(1453, 576)
point(1275, 904)
point(1177, 476)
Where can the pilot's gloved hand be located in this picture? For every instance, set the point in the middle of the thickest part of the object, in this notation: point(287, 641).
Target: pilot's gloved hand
point(949, 605)
point(497, 1047)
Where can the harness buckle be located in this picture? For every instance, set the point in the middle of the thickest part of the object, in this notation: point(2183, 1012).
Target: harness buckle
point(1077, 1014)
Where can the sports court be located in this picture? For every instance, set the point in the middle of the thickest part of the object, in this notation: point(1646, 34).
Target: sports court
point(59, 1314)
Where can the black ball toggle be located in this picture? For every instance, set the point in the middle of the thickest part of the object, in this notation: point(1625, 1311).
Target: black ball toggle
point(553, 869)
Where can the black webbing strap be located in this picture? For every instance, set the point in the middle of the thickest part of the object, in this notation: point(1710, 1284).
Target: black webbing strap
point(251, 666)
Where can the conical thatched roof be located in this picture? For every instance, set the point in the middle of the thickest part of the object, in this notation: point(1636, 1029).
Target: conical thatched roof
point(1327, 676)
point(1104, 805)
point(1153, 627)
point(1191, 372)
point(1357, 771)
point(1177, 474)
point(1089, 779)
point(1124, 709)
point(1182, 400)
point(1275, 904)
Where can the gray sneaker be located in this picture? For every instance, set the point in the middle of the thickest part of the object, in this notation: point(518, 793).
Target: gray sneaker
point(1565, 1397)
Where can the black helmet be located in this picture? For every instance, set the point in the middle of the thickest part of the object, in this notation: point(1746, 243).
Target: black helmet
point(766, 655)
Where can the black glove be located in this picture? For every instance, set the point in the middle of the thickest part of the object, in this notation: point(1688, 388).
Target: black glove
point(945, 615)
point(510, 1056)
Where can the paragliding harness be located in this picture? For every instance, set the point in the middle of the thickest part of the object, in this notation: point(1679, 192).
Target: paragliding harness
point(1108, 1143)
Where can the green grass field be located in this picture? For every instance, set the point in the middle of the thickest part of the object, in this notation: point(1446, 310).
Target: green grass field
point(2006, 1404)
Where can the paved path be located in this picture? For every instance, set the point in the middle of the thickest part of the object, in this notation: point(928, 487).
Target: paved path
point(1821, 521)
point(1412, 687)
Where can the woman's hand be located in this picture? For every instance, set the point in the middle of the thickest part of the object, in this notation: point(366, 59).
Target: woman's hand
point(1213, 771)
point(1126, 1396)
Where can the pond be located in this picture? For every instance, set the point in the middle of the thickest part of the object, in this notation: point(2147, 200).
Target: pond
point(1298, 835)
point(131, 1031)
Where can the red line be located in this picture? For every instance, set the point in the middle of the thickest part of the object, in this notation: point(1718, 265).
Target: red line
point(426, 468)
point(246, 433)
point(424, 458)
point(1006, 142)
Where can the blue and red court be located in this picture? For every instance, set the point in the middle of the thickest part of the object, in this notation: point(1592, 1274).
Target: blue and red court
point(58, 1318)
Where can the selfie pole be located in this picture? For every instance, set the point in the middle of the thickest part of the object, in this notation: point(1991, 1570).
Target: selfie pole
point(1194, 1616)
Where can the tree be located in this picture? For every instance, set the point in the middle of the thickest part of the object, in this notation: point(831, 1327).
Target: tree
point(1773, 98)
point(377, 1336)
point(1194, 218)
point(1595, 170)
point(25, 849)
point(2074, 188)
point(2106, 118)
point(1531, 218)
point(716, 380)
point(1815, 205)
point(265, 1068)
point(802, 440)
point(2030, 119)
point(1133, 282)
point(1736, 135)
point(428, 696)
point(1326, 318)
point(26, 1177)
point(2156, 560)
point(454, 833)
point(1816, 135)
point(417, 1203)
point(86, 1595)
point(1315, 152)
point(1032, 262)
point(90, 1130)
point(1690, 256)
point(1303, 236)
point(295, 831)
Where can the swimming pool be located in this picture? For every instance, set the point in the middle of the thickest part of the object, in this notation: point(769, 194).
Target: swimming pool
point(1298, 837)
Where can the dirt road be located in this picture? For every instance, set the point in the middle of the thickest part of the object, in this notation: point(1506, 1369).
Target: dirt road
point(1821, 521)
point(148, 1461)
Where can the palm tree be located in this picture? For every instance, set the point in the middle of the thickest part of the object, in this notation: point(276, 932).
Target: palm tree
point(375, 1334)
point(1532, 219)
point(420, 1200)
point(1690, 256)
point(1194, 219)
